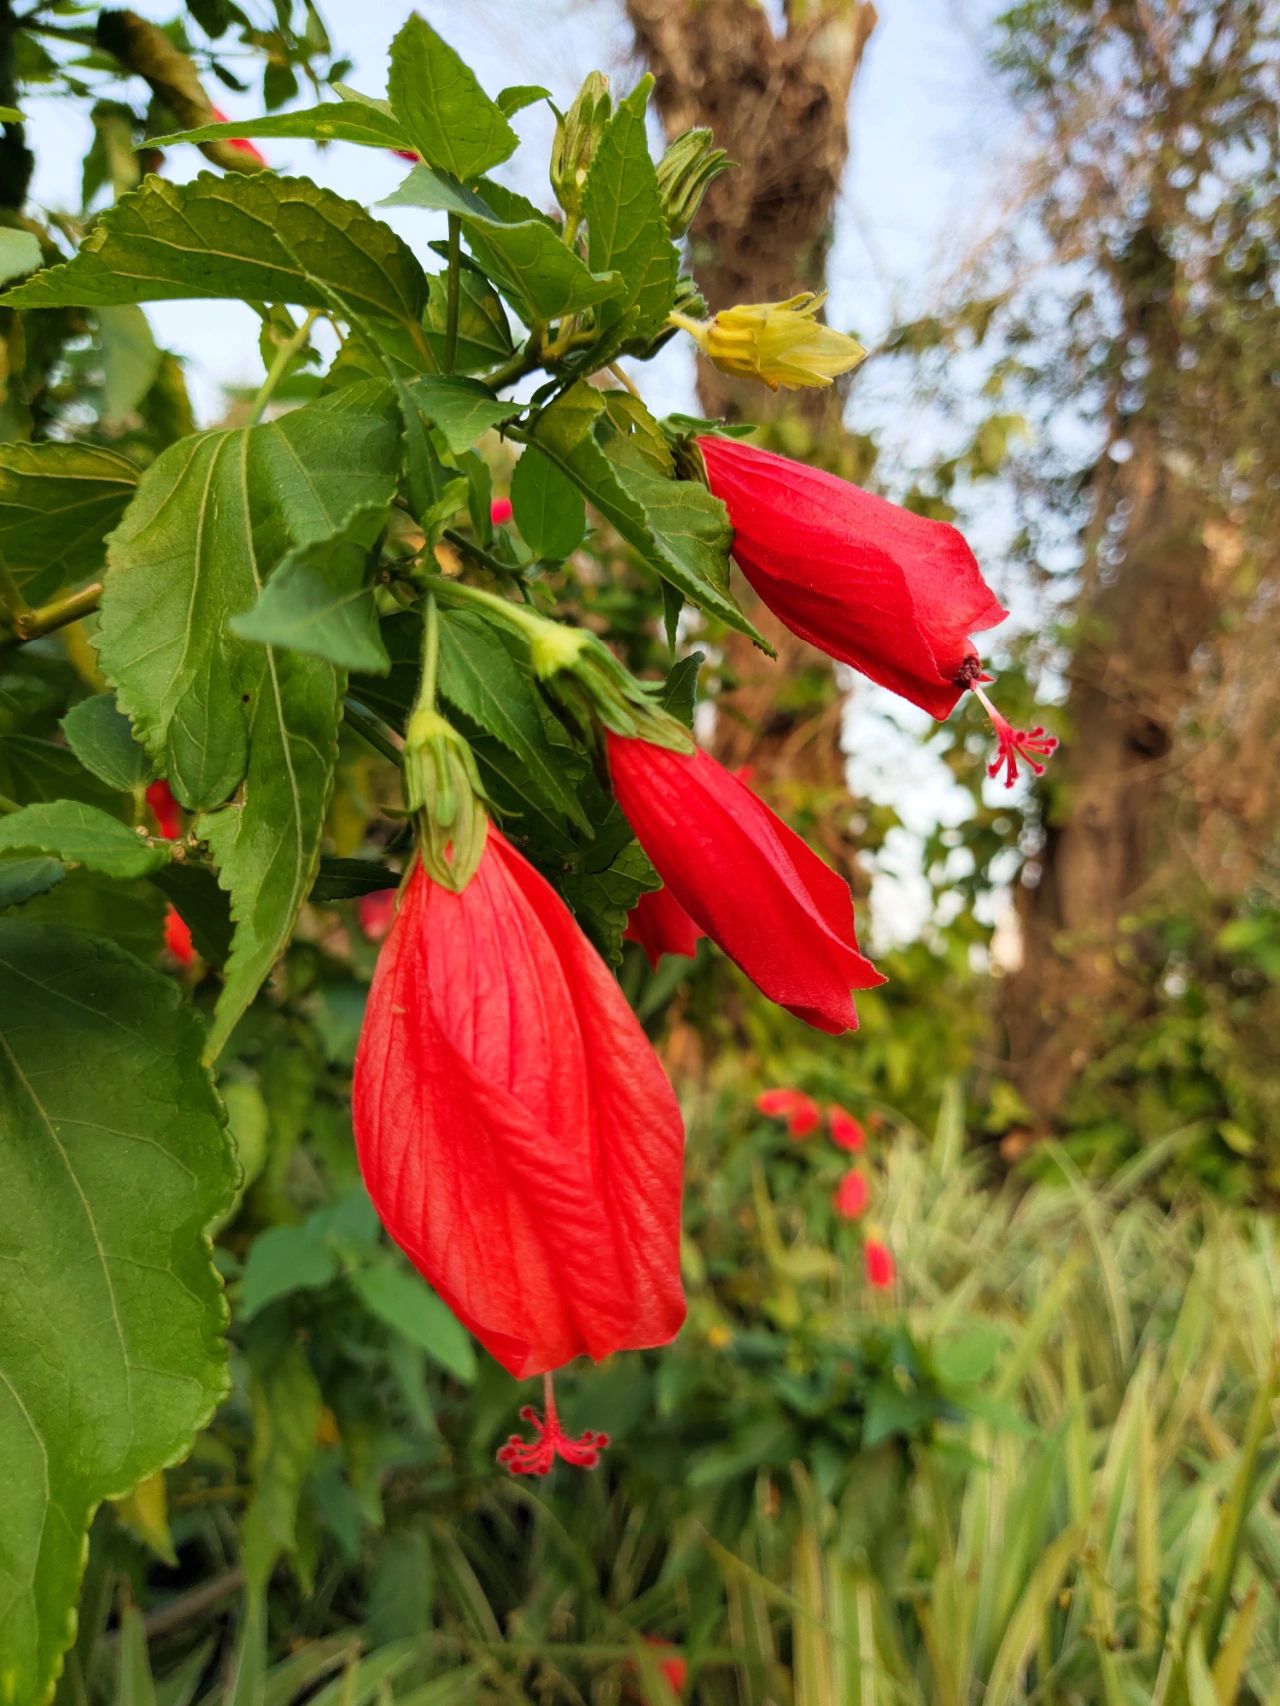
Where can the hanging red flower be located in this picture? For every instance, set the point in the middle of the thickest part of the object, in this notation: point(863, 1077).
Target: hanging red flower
point(745, 879)
point(515, 1130)
point(846, 1132)
point(895, 594)
point(661, 926)
point(798, 1110)
point(851, 1195)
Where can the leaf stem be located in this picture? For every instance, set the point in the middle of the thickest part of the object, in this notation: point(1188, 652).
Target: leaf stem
point(280, 366)
point(487, 559)
point(25, 625)
point(623, 379)
point(372, 729)
point(430, 651)
point(453, 290)
point(526, 360)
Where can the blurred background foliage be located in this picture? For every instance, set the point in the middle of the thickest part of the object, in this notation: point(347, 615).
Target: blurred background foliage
point(1043, 1465)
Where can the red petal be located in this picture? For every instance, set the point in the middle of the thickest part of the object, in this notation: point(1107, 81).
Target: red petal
point(515, 1129)
point(661, 926)
point(746, 879)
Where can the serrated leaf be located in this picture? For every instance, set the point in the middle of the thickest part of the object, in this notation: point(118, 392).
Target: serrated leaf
point(604, 881)
point(115, 1162)
point(524, 257)
point(446, 115)
point(257, 237)
point(212, 516)
point(367, 122)
point(320, 601)
point(58, 502)
point(462, 410)
point(549, 508)
point(627, 228)
point(408, 1306)
point(23, 879)
point(479, 676)
point(677, 527)
point(81, 835)
point(521, 95)
point(102, 739)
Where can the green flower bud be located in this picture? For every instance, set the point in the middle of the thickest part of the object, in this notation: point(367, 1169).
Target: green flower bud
point(578, 134)
point(587, 681)
point(685, 173)
point(442, 784)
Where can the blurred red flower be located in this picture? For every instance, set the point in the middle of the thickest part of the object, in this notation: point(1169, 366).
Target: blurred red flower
point(745, 879)
point(851, 1195)
point(661, 925)
point(240, 142)
point(846, 1132)
point(879, 1263)
point(168, 816)
point(500, 511)
point(376, 913)
point(799, 1111)
point(515, 1129)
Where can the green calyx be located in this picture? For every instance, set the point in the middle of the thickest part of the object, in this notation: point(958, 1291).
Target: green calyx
point(685, 173)
point(577, 137)
point(442, 785)
point(587, 681)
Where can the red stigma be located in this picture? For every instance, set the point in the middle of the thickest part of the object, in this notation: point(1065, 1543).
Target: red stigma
point(537, 1456)
point(1013, 744)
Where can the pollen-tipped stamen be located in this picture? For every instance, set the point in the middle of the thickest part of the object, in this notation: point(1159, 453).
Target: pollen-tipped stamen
point(537, 1456)
point(1029, 745)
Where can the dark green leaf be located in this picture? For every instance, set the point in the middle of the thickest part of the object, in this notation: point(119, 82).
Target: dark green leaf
point(484, 334)
point(193, 890)
point(368, 122)
point(282, 1260)
point(34, 769)
point(102, 739)
point(524, 257)
point(604, 881)
point(627, 228)
point(81, 835)
point(254, 236)
point(549, 508)
point(58, 502)
point(115, 1163)
point(680, 691)
point(286, 1417)
point(446, 115)
point(462, 409)
point(409, 1307)
point(320, 601)
point(348, 879)
point(22, 879)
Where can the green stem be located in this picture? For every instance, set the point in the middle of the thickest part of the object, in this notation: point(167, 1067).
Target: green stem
point(430, 652)
point(280, 366)
point(526, 360)
point(454, 288)
point(24, 625)
point(372, 729)
point(524, 621)
point(486, 558)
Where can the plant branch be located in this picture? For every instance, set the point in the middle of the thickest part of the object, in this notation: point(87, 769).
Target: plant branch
point(25, 625)
point(284, 359)
point(453, 288)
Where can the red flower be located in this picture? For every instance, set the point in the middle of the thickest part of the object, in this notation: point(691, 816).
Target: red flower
point(892, 593)
point(799, 1111)
point(240, 142)
point(851, 1195)
point(177, 936)
point(165, 809)
point(673, 1669)
point(879, 1262)
point(661, 925)
point(515, 1130)
point(377, 913)
point(500, 511)
point(846, 1132)
point(745, 879)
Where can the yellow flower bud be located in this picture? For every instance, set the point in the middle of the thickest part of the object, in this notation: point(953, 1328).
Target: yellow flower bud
point(780, 342)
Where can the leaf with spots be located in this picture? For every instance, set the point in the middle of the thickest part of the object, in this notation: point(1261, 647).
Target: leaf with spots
point(110, 1312)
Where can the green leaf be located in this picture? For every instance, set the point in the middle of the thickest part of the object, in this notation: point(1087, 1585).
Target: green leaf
point(521, 95)
point(479, 676)
point(212, 516)
point(114, 1162)
point(462, 409)
point(130, 360)
point(348, 879)
point(20, 253)
point(604, 881)
point(677, 527)
point(58, 502)
point(524, 257)
point(484, 334)
point(446, 115)
point(370, 123)
point(549, 508)
point(408, 1306)
point(627, 229)
point(82, 835)
point(286, 1415)
point(22, 880)
point(320, 601)
point(102, 739)
point(193, 890)
point(282, 1260)
point(250, 236)
point(35, 769)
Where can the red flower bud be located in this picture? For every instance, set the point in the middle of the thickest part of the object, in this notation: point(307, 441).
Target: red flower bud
point(515, 1130)
point(177, 936)
point(661, 926)
point(846, 1132)
point(879, 1263)
point(894, 594)
point(851, 1195)
point(745, 879)
point(500, 511)
point(799, 1111)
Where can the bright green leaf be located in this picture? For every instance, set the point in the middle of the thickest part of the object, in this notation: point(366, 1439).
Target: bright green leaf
point(408, 1306)
point(549, 508)
point(462, 409)
point(20, 253)
point(81, 835)
point(58, 502)
point(627, 229)
point(114, 1164)
point(255, 236)
point(282, 1260)
point(521, 95)
point(102, 739)
point(367, 122)
point(446, 115)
